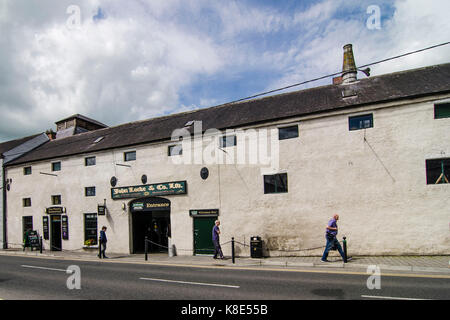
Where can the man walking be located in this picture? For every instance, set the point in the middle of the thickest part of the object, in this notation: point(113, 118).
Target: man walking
point(330, 234)
point(216, 240)
point(102, 243)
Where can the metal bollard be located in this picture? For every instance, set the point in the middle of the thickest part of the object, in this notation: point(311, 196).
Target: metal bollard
point(232, 249)
point(146, 248)
point(345, 249)
point(40, 244)
point(99, 247)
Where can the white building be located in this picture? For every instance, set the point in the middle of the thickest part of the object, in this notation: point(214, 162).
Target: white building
point(374, 150)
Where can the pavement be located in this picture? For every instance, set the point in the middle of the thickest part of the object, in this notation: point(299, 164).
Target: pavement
point(421, 264)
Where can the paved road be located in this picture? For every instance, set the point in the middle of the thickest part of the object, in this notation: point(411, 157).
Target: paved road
point(34, 278)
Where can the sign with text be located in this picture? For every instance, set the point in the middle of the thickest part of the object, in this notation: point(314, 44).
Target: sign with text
point(55, 210)
point(204, 212)
point(156, 189)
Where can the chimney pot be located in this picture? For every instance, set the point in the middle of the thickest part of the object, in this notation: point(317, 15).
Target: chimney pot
point(349, 70)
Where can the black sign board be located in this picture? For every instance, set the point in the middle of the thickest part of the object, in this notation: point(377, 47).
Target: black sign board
point(33, 239)
point(65, 227)
point(204, 212)
point(150, 204)
point(55, 210)
point(101, 210)
point(45, 227)
point(156, 189)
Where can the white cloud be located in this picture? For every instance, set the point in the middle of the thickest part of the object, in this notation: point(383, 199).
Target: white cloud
point(141, 58)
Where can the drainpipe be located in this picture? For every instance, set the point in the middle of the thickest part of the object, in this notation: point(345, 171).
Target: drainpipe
point(5, 244)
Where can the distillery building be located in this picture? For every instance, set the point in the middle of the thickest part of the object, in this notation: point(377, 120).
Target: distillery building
point(374, 150)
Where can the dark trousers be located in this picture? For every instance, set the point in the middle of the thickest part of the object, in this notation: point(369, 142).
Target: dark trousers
point(103, 248)
point(332, 241)
point(217, 249)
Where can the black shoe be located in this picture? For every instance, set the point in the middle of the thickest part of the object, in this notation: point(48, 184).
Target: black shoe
point(321, 260)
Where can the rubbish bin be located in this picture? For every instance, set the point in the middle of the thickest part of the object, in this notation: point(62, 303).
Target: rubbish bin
point(256, 247)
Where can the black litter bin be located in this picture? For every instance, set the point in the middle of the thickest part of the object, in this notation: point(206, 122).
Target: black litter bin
point(256, 247)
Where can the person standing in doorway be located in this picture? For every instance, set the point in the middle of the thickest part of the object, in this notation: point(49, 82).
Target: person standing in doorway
point(103, 241)
point(216, 240)
point(330, 234)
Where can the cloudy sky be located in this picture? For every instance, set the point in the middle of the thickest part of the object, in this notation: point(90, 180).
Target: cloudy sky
point(122, 61)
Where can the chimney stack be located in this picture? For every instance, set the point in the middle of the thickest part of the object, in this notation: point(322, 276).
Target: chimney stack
point(349, 70)
point(51, 134)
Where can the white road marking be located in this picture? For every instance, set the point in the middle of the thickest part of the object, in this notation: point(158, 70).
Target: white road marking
point(44, 268)
point(194, 283)
point(391, 298)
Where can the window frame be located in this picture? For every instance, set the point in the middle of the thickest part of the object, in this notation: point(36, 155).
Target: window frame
point(288, 127)
point(274, 176)
point(86, 236)
point(443, 166)
point(87, 159)
point(90, 188)
point(25, 171)
point(438, 114)
point(56, 197)
point(361, 119)
point(26, 202)
point(223, 141)
point(172, 147)
point(54, 166)
point(127, 153)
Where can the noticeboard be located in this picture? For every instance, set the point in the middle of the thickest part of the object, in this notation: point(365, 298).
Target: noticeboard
point(45, 227)
point(33, 239)
point(65, 227)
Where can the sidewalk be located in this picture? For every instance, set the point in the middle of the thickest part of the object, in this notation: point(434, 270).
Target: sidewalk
point(434, 264)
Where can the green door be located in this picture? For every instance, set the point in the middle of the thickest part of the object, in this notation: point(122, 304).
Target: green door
point(203, 235)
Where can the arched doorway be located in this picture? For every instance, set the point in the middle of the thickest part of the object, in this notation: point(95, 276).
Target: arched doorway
point(150, 217)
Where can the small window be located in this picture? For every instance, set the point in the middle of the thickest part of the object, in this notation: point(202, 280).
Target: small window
point(90, 229)
point(56, 166)
point(276, 183)
point(438, 171)
point(360, 122)
point(26, 202)
point(27, 171)
point(89, 191)
point(227, 141)
point(129, 156)
point(287, 132)
point(442, 110)
point(175, 150)
point(89, 161)
point(56, 200)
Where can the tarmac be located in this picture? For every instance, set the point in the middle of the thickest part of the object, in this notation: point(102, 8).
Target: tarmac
point(411, 264)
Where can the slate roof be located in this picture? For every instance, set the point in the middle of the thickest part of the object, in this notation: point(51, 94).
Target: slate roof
point(379, 89)
point(9, 145)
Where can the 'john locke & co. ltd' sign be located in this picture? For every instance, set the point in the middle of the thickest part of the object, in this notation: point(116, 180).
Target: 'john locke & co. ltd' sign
point(156, 189)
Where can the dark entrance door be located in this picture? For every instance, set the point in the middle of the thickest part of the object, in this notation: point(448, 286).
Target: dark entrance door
point(151, 219)
point(203, 235)
point(55, 239)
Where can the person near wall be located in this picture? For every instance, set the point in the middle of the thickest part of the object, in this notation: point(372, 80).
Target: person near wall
point(331, 236)
point(216, 240)
point(103, 241)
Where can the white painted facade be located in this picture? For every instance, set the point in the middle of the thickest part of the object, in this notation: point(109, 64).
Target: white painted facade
point(374, 178)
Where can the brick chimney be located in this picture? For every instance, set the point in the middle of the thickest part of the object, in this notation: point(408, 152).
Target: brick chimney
point(349, 70)
point(51, 134)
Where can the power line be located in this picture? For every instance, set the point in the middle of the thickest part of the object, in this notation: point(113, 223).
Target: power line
point(337, 73)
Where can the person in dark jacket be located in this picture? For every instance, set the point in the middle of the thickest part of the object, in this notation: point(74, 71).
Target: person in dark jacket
point(103, 241)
